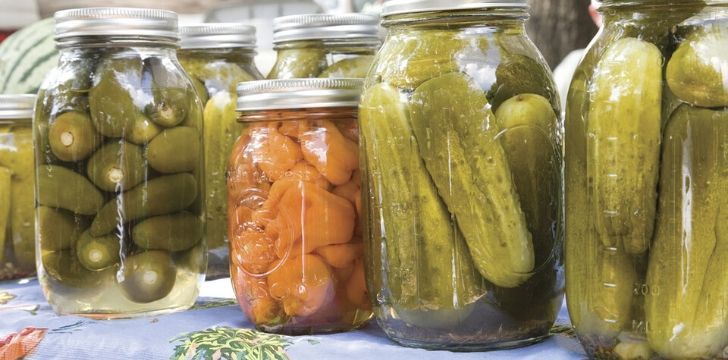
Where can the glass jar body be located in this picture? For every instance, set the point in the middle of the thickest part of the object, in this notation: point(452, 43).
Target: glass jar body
point(462, 151)
point(647, 184)
point(295, 232)
point(216, 74)
point(331, 58)
point(120, 211)
point(17, 175)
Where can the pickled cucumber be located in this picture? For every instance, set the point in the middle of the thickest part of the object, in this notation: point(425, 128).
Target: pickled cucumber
point(175, 150)
point(170, 232)
point(117, 166)
point(57, 229)
point(429, 266)
point(65, 189)
point(623, 147)
point(143, 131)
point(169, 100)
point(97, 253)
point(698, 69)
point(159, 196)
point(520, 74)
point(687, 306)
point(5, 191)
point(64, 267)
point(355, 67)
point(214, 75)
point(113, 108)
point(148, 276)
point(298, 63)
point(72, 136)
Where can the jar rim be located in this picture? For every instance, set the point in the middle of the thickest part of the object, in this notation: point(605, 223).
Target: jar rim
point(116, 22)
point(217, 36)
point(298, 93)
point(325, 26)
point(17, 107)
point(399, 7)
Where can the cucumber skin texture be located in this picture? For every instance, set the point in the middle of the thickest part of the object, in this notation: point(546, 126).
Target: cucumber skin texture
point(59, 187)
point(623, 147)
point(175, 150)
point(121, 155)
point(298, 63)
point(57, 230)
point(175, 232)
point(421, 243)
point(448, 113)
point(159, 196)
point(687, 260)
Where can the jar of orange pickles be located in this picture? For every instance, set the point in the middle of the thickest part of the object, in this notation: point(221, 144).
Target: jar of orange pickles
point(296, 251)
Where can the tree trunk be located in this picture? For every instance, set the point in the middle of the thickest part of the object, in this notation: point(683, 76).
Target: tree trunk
point(560, 26)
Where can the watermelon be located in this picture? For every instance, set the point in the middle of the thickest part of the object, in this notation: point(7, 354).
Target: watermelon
point(26, 57)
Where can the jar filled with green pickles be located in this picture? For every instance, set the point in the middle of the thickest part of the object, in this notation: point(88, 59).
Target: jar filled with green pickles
point(17, 229)
point(461, 136)
point(217, 57)
point(326, 46)
point(647, 183)
point(118, 132)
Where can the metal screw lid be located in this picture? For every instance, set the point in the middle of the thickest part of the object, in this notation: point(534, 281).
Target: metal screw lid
point(394, 7)
point(217, 36)
point(16, 107)
point(325, 26)
point(298, 93)
point(113, 21)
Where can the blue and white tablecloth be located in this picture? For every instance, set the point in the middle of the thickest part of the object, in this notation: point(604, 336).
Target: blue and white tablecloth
point(214, 328)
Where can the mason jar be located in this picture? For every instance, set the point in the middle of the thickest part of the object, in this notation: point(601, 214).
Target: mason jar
point(647, 183)
point(17, 213)
point(461, 141)
point(217, 57)
point(118, 133)
point(324, 45)
point(294, 207)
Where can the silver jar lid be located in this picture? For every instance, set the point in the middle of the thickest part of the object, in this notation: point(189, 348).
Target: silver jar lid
point(113, 21)
point(16, 107)
point(394, 7)
point(217, 36)
point(325, 26)
point(298, 93)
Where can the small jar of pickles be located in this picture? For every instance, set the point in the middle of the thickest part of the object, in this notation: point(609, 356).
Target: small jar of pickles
point(294, 207)
point(217, 57)
point(326, 46)
point(17, 228)
point(118, 132)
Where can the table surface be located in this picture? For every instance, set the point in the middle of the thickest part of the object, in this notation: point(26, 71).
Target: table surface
point(214, 327)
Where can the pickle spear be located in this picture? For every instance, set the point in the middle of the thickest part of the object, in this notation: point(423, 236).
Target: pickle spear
point(5, 191)
point(623, 147)
point(687, 306)
point(457, 134)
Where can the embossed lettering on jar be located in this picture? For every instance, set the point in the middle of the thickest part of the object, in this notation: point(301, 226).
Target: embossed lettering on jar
point(647, 183)
point(460, 128)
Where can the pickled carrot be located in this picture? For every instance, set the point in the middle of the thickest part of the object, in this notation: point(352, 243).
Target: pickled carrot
point(341, 255)
point(254, 299)
point(293, 128)
point(303, 284)
point(253, 250)
point(349, 191)
point(356, 288)
point(307, 172)
point(335, 156)
point(273, 152)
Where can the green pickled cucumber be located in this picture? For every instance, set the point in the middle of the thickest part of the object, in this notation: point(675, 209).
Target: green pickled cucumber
point(429, 267)
point(298, 63)
point(194, 260)
point(448, 114)
point(175, 150)
point(148, 276)
point(356, 67)
point(64, 268)
point(200, 90)
point(117, 166)
point(113, 108)
point(175, 232)
point(159, 196)
point(624, 127)
point(98, 253)
point(72, 136)
point(687, 305)
point(214, 75)
point(697, 70)
point(169, 93)
point(65, 189)
point(520, 74)
point(143, 131)
point(57, 229)
point(5, 191)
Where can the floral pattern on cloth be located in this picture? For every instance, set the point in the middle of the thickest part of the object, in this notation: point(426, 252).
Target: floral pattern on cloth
point(19, 345)
point(230, 343)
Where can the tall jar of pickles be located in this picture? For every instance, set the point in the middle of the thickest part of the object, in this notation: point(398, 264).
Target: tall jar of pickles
point(118, 133)
point(217, 57)
point(647, 183)
point(326, 46)
point(461, 141)
point(17, 229)
point(294, 207)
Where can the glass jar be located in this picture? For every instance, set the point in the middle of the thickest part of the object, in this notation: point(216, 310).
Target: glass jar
point(326, 46)
point(647, 189)
point(461, 133)
point(217, 58)
point(17, 232)
point(294, 207)
point(118, 128)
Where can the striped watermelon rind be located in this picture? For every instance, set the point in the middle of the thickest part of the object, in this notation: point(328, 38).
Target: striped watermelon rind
point(26, 57)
